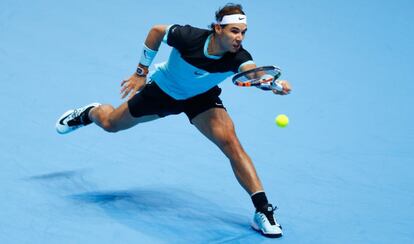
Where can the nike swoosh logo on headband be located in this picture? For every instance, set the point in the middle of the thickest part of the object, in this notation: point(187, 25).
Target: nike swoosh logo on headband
point(240, 18)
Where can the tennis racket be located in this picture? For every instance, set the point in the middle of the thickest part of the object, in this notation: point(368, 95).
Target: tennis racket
point(264, 77)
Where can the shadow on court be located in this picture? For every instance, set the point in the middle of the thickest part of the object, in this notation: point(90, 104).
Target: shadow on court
point(172, 215)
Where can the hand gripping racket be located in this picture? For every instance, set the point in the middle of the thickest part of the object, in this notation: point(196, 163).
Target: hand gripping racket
point(264, 75)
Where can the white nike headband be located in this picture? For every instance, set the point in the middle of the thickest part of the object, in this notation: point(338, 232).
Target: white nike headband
point(233, 19)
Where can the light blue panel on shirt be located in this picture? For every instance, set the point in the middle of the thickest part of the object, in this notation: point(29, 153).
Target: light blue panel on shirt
point(182, 80)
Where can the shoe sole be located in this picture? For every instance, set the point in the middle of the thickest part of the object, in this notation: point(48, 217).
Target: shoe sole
point(256, 228)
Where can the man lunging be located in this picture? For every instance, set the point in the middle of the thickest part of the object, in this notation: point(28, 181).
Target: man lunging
point(187, 82)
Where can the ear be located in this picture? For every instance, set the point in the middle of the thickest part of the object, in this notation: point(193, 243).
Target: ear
point(218, 29)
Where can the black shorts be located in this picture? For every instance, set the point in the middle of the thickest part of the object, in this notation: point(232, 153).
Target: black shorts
point(154, 101)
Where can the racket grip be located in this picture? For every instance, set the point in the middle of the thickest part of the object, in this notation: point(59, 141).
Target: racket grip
point(277, 86)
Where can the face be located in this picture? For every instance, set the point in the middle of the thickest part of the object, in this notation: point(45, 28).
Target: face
point(231, 36)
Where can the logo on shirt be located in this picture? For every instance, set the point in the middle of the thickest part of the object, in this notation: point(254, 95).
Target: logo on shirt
point(198, 73)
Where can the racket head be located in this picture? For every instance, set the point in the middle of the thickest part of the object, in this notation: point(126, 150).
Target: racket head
point(253, 77)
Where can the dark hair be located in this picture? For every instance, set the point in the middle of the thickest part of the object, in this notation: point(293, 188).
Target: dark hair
point(228, 9)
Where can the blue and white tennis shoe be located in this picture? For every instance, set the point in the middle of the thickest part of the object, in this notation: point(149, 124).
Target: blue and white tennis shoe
point(265, 222)
point(74, 119)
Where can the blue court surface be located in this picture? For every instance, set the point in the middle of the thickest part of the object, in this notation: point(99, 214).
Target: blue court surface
point(341, 172)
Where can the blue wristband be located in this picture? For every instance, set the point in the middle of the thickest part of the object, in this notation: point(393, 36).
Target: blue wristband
point(147, 56)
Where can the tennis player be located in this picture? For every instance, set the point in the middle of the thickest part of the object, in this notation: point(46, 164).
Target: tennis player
point(200, 59)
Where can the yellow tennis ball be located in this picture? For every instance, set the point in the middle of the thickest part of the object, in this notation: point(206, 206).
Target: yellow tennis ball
point(282, 120)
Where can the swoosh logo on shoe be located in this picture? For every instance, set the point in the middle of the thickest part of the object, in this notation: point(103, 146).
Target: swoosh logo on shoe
point(61, 121)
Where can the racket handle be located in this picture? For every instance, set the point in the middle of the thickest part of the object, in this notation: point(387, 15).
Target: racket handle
point(277, 86)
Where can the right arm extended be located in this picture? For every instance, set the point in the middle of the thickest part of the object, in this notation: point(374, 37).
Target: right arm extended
point(152, 43)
